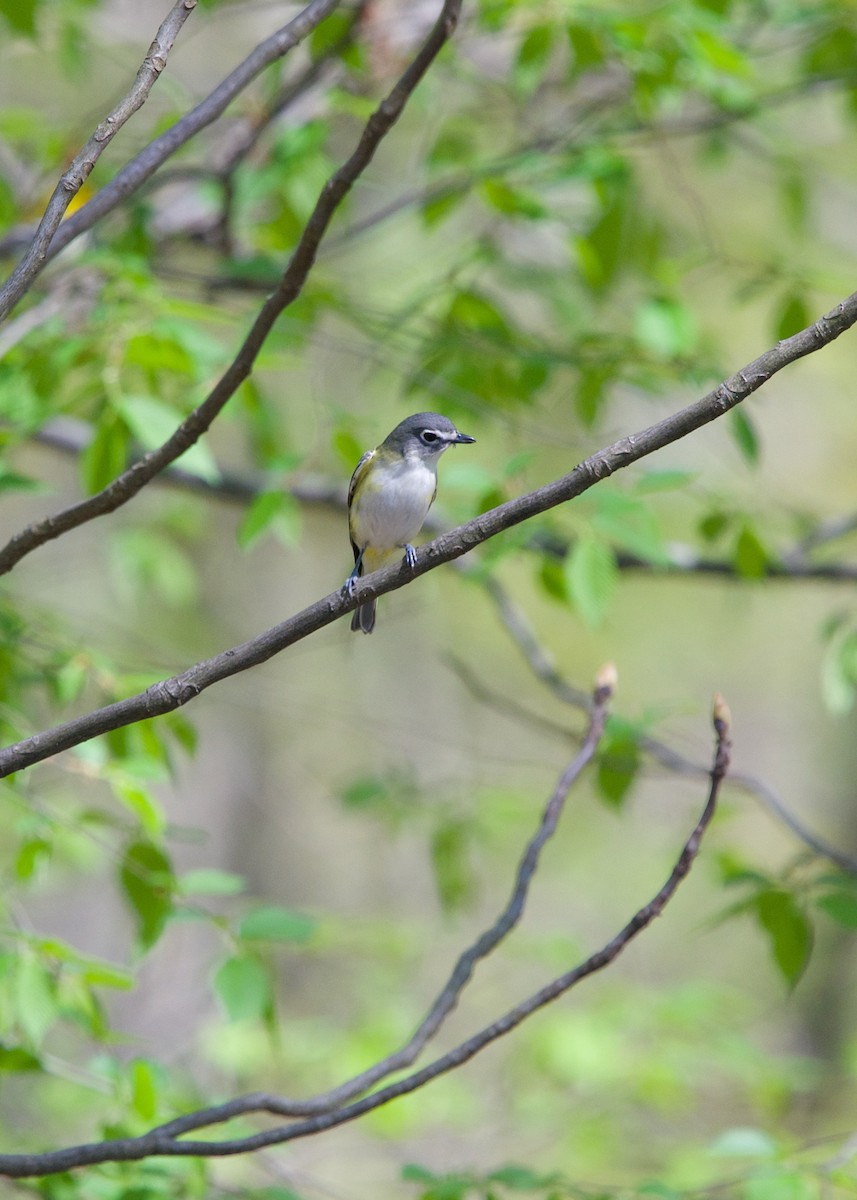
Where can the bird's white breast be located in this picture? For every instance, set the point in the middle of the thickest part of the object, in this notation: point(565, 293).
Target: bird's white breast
point(394, 502)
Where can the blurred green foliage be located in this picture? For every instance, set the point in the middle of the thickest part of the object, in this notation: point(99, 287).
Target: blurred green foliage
point(546, 275)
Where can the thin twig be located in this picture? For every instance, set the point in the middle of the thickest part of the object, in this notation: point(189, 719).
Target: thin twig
point(45, 243)
point(163, 1140)
point(542, 666)
point(129, 483)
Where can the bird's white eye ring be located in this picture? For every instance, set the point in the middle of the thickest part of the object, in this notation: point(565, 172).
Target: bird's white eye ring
point(429, 436)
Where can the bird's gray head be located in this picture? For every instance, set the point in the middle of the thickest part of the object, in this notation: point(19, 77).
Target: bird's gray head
point(425, 435)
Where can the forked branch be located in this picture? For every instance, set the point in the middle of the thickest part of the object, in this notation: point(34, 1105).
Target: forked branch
point(339, 1106)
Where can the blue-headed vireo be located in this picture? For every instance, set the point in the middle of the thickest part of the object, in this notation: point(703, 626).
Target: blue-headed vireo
point(391, 491)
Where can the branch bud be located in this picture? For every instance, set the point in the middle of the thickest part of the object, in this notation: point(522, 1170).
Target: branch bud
point(606, 679)
point(721, 715)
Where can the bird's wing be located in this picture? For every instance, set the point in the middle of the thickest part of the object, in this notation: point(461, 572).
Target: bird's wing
point(352, 488)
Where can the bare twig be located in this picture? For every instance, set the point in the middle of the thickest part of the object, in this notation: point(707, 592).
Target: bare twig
point(542, 666)
point(164, 1139)
point(45, 243)
point(126, 485)
point(172, 693)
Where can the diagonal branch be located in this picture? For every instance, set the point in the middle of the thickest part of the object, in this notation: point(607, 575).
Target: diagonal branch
point(163, 1140)
point(44, 244)
point(169, 694)
point(126, 485)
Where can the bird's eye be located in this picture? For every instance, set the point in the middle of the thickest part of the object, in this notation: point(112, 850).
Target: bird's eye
point(428, 436)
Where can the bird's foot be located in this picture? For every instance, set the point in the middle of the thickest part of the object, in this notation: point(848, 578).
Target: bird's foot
point(410, 556)
point(349, 585)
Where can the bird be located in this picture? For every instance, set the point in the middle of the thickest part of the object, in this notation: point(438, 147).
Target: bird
point(391, 491)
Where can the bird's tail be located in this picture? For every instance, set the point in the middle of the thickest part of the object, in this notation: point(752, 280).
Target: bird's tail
point(363, 618)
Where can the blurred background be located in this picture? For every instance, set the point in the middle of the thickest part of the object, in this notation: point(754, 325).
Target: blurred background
point(585, 220)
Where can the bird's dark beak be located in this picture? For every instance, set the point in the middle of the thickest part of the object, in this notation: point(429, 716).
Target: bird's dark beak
point(462, 439)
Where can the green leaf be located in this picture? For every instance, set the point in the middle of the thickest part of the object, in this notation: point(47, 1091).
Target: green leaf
point(20, 15)
point(720, 54)
point(839, 670)
point(208, 881)
point(750, 557)
point(453, 146)
point(144, 1092)
point(474, 311)
point(347, 447)
point(511, 202)
point(275, 511)
point(841, 907)
point(743, 1142)
point(792, 316)
point(522, 1179)
point(16, 1058)
point(31, 853)
point(101, 974)
point(147, 880)
point(158, 352)
point(106, 455)
point(585, 46)
point(273, 923)
point(533, 55)
point(438, 207)
point(630, 524)
point(69, 681)
point(453, 871)
point(152, 423)
point(619, 764)
point(243, 987)
point(665, 327)
point(591, 577)
point(10, 481)
point(788, 929)
point(778, 1183)
point(714, 524)
point(35, 998)
point(333, 29)
point(664, 481)
point(744, 432)
point(140, 802)
point(551, 577)
point(415, 1173)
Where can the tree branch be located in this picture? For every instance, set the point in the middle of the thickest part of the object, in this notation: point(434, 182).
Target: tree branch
point(163, 1140)
point(169, 694)
point(542, 666)
point(45, 244)
point(126, 485)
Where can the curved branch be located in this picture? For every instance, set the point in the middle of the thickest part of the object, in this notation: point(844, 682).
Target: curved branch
point(44, 244)
point(126, 485)
point(163, 1140)
point(172, 693)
